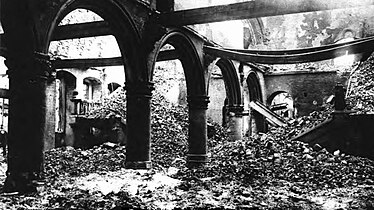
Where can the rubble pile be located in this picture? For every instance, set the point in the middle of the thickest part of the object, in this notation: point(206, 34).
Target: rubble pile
point(302, 124)
point(114, 105)
point(70, 162)
point(361, 91)
point(169, 132)
point(266, 159)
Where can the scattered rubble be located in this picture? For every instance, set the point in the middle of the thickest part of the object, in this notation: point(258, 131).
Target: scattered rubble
point(266, 171)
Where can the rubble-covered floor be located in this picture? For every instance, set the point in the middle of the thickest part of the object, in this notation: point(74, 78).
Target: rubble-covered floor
point(96, 179)
point(266, 171)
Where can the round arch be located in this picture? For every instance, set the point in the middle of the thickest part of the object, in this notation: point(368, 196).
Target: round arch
point(273, 95)
point(69, 77)
point(189, 57)
point(231, 80)
point(255, 94)
point(122, 25)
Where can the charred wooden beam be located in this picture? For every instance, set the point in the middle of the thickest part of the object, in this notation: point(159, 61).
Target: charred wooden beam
point(101, 62)
point(81, 30)
point(364, 47)
point(301, 50)
point(167, 55)
point(254, 9)
point(75, 31)
point(87, 63)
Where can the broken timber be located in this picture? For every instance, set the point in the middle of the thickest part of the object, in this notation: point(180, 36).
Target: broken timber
point(253, 9)
point(101, 62)
point(270, 116)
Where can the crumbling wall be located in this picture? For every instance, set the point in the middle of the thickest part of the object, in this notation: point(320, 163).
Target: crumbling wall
point(308, 89)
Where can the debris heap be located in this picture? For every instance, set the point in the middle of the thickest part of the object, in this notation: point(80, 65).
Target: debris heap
point(361, 91)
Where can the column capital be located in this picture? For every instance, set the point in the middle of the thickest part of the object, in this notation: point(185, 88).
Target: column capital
point(40, 62)
point(198, 102)
point(139, 89)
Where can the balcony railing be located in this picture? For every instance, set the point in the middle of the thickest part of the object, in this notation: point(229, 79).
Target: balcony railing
point(82, 107)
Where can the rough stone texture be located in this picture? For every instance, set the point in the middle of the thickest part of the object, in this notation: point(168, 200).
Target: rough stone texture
point(217, 95)
point(305, 87)
point(49, 131)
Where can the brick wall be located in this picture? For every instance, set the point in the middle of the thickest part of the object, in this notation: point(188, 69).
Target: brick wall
point(309, 89)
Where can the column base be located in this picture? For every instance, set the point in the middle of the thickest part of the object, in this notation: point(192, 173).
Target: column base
point(138, 165)
point(196, 160)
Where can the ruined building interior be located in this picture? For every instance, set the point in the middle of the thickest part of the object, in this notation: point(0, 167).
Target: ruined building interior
point(248, 66)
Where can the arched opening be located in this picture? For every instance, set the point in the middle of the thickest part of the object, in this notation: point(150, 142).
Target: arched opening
point(90, 80)
point(224, 90)
point(191, 88)
point(169, 79)
point(189, 58)
point(122, 27)
point(257, 122)
point(65, 87)
point(282, 104)
point(93, 89)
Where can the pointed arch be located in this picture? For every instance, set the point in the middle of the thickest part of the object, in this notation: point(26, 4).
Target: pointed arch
point(255, 94)
point(189, 57)
point(231, 80)
point(122, 25)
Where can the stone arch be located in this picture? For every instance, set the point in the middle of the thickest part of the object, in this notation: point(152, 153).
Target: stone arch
point(197, 98)
point(287, 108)
point(271, 97)
point(66, 84)
point(254, 32)
point(189, 57)
point(122, 25)
point(255, 94)
point(231, 80)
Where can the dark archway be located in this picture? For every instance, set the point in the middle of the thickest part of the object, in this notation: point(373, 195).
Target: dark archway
point(255, 94)
point(65, 84)
point(232, 83)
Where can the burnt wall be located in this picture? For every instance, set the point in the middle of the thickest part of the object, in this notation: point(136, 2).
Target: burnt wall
point(308, 89)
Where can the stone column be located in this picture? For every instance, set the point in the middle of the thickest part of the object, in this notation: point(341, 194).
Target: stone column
point(138, 147)
point(235, 122)
point(28, 129)
point(197, 136)
point(28, 75)
point(50, 104)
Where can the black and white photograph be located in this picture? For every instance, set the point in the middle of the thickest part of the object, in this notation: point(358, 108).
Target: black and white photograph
point(187, 104)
